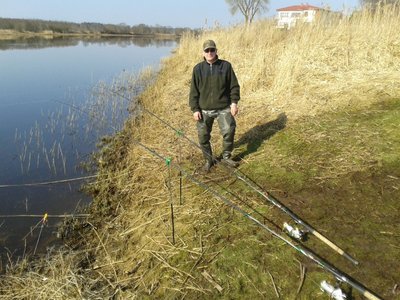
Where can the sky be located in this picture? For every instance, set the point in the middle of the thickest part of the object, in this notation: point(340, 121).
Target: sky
point(171, 13)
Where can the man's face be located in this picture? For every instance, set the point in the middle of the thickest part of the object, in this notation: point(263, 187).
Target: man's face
point(210, 54)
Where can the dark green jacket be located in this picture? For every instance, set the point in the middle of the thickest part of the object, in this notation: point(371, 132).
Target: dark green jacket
point(214, 86)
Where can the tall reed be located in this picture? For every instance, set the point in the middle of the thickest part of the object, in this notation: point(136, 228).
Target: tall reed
point(337, 61)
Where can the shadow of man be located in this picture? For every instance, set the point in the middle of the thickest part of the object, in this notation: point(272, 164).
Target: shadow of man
point(258, 134)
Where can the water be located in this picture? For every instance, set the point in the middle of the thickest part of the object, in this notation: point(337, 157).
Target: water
point(47, 88)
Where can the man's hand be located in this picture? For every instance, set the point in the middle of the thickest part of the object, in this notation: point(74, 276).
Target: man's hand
point(234, 109)
point(197, 115)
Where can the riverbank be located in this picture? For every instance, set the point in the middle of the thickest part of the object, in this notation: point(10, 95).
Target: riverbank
point(318, 128)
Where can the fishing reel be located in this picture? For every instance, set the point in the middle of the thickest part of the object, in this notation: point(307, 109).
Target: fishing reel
point(294, 232)
point(335, 293)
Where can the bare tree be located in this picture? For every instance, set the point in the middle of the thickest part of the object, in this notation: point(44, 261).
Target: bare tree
point(248, 8)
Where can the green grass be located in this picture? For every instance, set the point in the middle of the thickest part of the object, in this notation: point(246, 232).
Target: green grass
point(331, 146)
point(341, 173)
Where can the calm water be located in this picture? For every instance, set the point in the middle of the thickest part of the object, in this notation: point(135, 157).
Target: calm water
point(47, 89)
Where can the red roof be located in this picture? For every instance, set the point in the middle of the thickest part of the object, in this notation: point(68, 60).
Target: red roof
point(299, 8)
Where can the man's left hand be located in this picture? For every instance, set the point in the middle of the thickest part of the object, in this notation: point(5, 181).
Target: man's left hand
point(234, 109)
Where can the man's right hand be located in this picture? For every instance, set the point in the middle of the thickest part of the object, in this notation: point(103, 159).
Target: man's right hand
point(197, 115)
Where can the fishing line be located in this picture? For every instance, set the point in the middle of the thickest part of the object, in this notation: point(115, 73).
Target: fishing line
point(33, 184)
point(32, 229)
point(49, 216)
point(302, 250)
point(44, 222)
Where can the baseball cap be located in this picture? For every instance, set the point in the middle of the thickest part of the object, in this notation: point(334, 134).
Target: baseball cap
point(209, 44)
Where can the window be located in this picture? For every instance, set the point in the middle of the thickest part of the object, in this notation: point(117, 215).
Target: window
point(284, 14)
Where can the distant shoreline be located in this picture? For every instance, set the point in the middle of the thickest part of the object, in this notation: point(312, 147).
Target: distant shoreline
point(6, 34)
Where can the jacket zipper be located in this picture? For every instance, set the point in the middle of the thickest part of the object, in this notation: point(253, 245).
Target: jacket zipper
point(211, 71)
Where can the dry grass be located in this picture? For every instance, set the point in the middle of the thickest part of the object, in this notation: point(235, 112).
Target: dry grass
point(311, 69)
point(347, 64)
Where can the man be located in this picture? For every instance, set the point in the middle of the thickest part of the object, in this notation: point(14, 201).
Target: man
point(214, 94)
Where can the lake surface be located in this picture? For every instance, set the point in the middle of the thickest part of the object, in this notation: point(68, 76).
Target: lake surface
point(53, 109)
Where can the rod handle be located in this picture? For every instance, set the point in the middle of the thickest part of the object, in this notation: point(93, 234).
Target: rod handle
point(333, 246)
point(371, 296)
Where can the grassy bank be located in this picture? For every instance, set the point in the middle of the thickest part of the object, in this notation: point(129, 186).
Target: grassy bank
point(318, 128)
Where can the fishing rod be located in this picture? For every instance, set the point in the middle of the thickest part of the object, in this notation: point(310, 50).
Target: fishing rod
point(253, 185)
point(267, 196)
point(341, 276)
point(315, 258)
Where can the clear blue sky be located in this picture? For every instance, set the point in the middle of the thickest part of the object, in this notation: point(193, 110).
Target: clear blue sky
point(174, 13)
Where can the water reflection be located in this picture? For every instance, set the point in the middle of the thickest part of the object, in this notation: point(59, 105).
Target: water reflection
point(41, 42)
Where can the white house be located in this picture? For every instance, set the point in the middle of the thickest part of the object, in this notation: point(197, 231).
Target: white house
point(288, 16)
